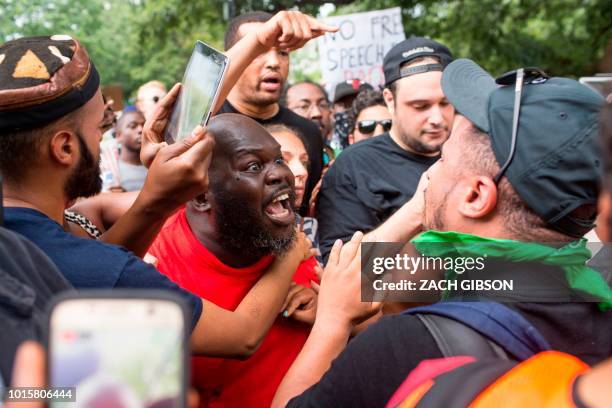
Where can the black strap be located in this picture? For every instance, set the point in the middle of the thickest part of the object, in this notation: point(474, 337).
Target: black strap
point(456, 339)
point(419, 69)
point(451, 390)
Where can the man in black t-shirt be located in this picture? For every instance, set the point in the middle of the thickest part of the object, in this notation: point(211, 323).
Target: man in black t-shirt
point(369, 181)
point(257, 92)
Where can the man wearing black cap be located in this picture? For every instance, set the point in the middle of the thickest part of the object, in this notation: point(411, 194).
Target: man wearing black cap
point(346, 92)
point(520, 170)
point(344, 96)
point(371, 180)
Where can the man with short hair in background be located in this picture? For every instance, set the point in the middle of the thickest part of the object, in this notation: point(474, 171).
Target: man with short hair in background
point(309, 99)
point(372, 179)
point(258, 91)
point(132, 173)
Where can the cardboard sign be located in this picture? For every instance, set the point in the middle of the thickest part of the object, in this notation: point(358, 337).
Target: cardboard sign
point(358, 49)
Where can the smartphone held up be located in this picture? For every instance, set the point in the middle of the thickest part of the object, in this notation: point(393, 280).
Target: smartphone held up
point(119, 349)
point(201, 83)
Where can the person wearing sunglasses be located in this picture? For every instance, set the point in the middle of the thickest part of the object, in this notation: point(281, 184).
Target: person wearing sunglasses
point(370, 116)
point(370, 180)
point(148, 96)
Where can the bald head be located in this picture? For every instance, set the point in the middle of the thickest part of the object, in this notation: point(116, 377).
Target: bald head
point(247, 211)
point(233, 133)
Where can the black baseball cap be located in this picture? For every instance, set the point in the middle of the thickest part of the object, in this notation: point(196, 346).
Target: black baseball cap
point(412, 48)
point(350, 87)
point(42, 79)
point(557, 165)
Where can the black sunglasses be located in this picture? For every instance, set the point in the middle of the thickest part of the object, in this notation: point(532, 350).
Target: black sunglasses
point(517, 78)
point(368, 126)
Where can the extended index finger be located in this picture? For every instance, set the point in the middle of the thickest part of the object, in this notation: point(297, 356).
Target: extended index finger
point(321, 27)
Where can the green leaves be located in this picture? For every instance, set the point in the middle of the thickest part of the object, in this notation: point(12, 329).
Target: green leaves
point(134, 41)
point(564, 37)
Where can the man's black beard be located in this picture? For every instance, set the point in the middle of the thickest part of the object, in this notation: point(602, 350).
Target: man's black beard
point(420, 147)
point(85, 180)
point(240, 228)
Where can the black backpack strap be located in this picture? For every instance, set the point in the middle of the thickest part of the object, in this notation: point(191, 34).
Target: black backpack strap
point(460, 328)
point(457, 339)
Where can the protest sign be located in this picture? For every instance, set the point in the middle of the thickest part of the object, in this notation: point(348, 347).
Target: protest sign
point(358, 48)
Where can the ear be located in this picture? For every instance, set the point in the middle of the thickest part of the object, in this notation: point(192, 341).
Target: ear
point(200, 203)
point(351, 138)
point(478, 197)
point(64, 148)
point(388, 97)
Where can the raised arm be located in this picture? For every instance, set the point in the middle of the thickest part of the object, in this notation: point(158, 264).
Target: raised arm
point(238, 334)
point(105, 209)
point(339, 309)
point(172, 179)
point(288, 30)
point(407, 222)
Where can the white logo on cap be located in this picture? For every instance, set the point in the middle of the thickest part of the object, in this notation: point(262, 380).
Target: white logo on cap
point(61, 37)
point(539, 81)
point(406, 54)
point(55, 51)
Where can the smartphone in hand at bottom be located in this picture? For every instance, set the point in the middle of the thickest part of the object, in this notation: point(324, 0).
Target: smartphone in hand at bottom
point(119, 349)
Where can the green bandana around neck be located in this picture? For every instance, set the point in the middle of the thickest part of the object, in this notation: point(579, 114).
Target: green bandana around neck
point(572, 258)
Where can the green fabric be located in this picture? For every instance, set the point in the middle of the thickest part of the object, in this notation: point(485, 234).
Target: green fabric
point(572, 258)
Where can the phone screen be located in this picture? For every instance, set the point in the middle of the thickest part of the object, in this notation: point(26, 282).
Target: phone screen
point(201, 83)
point(118, 352)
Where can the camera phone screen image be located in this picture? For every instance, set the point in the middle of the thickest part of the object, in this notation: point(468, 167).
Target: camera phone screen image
point(132, 357)
point(200, 84)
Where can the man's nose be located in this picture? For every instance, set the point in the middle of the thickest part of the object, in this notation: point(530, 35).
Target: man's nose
point(272, 59)
point(379, 130)
point(315, 112)
point(277, 175)
point(435, 115)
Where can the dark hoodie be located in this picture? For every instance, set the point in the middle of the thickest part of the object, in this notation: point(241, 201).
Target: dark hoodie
point(28, 279)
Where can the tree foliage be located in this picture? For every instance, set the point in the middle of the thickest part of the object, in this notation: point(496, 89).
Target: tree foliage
point(564, 37)
point(133, 41)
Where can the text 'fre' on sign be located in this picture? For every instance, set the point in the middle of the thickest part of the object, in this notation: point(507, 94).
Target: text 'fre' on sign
point(358, 49)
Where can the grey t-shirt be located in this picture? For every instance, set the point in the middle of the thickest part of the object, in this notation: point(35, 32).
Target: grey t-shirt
point(132, 176)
